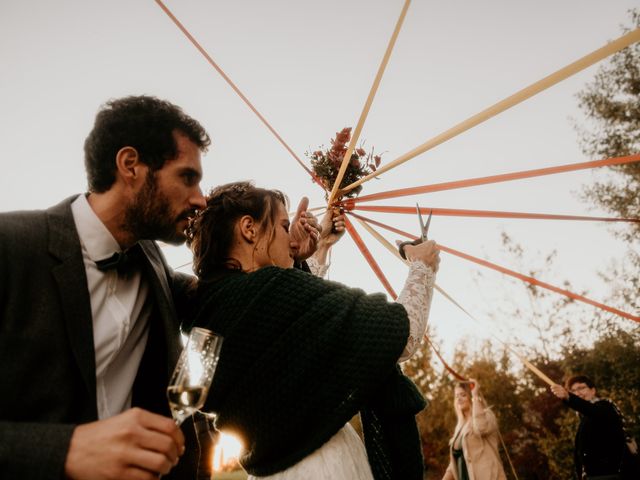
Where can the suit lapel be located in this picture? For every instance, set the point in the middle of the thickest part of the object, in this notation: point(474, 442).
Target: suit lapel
point(71, 279)
point(168, 319)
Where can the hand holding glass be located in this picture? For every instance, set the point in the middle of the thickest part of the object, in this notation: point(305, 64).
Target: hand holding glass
point(191, 379)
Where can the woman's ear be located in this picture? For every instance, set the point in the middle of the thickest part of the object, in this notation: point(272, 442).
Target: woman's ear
point(128, 164)
point(248, 228)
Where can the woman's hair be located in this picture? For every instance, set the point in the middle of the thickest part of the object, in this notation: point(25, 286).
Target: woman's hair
point(466, 386)
point(211, 232)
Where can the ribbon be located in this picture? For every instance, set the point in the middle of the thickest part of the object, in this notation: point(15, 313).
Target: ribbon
point(367, 106)
point(368, 257)
point(226, 78)
point(505, 177)
point(453, 212)
point(512, 273)
point(518, 97)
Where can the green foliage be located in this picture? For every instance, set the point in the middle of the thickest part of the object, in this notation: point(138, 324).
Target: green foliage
point(557, 448)
point(612, 103)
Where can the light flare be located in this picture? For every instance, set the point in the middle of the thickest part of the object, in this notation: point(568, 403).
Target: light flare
point(227, 452)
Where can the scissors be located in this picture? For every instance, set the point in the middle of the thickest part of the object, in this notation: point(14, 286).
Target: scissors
point(424, 230)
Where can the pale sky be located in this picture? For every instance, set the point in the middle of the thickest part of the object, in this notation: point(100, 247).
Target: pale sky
point(308, 67)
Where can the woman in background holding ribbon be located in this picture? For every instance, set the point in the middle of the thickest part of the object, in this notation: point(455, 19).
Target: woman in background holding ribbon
point(474, 445)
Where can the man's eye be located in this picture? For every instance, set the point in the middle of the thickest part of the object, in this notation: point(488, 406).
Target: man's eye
point(189, 178)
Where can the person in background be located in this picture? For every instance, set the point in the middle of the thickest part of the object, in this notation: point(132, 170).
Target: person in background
point(600, 440)
point(303, 355)
point(88, 326)
point(474, 444)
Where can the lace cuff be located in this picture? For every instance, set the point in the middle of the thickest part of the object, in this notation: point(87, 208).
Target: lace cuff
point(416, 299)
point(316, 268)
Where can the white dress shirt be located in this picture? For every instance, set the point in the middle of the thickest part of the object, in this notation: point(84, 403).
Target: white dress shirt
point(120, 313)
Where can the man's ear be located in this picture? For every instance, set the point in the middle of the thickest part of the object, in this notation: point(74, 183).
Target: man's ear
point(248, 228)
point(128, 164)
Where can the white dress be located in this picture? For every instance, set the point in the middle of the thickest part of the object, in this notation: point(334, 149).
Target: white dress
point(344, 456)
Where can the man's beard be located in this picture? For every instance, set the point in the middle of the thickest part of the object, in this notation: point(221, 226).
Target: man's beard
point(149, 217)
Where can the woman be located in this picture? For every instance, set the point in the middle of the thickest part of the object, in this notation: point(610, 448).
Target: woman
point(302, 355)
point(474, 445)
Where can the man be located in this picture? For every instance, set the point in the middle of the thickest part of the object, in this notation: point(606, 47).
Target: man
point(85, 335)
point(600, 439)
point(88, 324)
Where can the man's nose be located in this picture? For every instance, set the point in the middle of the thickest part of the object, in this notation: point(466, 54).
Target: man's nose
point(198, 200)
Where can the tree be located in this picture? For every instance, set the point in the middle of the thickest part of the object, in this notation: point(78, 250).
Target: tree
point(612, 103)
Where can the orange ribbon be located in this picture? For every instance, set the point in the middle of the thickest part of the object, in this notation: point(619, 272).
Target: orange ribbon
point(454, 212)
point(472, 182)
point(512, 273)
point(369, 258)
point(226, 78)
point(455, 374)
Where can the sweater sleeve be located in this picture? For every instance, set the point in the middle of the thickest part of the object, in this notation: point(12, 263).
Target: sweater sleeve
point(416, 298)
point(599, 410)
point(483, 420)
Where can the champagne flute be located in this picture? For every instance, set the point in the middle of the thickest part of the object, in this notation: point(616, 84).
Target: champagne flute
point(191, 379)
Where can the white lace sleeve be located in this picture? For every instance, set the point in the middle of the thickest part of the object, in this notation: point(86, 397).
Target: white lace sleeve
point(317, 269)
point(416, 299)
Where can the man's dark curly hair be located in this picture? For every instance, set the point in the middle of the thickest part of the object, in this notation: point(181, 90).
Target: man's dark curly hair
point(579, 379)
point(142, 122)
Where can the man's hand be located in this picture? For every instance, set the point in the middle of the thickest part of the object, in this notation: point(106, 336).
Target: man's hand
point(304, 231)
point(559, 391)
point(134, 445)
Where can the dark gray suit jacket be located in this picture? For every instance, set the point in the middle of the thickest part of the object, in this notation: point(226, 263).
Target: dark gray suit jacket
point(47, 373)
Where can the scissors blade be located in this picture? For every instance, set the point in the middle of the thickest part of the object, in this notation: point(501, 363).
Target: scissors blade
point(421, 222)
point(425, 230)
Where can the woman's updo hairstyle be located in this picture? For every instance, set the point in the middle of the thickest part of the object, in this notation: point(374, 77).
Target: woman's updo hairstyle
point(211, 231)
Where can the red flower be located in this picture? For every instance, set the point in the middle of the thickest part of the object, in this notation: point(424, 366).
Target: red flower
point(342, 137)
point(327, 162)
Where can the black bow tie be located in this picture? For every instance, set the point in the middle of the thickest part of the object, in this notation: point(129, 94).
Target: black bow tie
point(124, 262)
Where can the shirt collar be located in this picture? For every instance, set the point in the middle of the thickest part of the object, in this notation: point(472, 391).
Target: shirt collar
point(95, 238)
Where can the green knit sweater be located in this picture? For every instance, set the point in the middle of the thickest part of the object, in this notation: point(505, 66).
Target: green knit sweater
point(301, 356)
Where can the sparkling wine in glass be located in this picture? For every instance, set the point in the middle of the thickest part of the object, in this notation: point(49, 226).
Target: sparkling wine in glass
point(191, 379)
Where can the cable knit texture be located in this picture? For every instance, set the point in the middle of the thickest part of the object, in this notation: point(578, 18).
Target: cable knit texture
point(301, 356)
